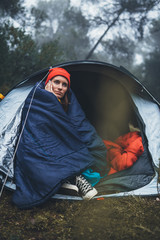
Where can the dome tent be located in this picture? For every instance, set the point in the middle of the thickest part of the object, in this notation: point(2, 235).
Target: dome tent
point(99, 88)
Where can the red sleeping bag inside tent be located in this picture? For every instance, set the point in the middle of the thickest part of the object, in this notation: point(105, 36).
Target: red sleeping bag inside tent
point(124, 151)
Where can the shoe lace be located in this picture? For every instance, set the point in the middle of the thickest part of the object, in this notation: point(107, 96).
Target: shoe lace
point(83, 185)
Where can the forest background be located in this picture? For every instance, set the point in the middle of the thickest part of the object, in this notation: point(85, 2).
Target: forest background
point(120, 32)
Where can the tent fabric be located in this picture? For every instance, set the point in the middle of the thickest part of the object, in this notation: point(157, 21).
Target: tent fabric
point(150, 114)
point(140, 174)
point(54, 147)
point(149, 189)
point(10, 119)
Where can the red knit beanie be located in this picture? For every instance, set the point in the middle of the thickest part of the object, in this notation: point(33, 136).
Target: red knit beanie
point(58, 72)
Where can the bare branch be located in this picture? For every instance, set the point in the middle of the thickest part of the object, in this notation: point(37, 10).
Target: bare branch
point(105, 32)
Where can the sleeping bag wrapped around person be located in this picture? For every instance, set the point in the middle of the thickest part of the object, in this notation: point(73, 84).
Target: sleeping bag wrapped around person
point(57, 143)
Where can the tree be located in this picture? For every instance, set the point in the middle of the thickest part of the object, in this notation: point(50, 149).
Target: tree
point(118, 51)
point(129, 23)
point(72, 34)
point(58, 20)
point(47, 16)
point(20, 55)
point(150, 67)
point(124, 14)
point(8, 10)
point(11, 8)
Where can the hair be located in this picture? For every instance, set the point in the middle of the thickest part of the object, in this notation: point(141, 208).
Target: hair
point(65, 102)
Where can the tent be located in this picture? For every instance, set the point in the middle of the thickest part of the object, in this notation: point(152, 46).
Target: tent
point(112, 98)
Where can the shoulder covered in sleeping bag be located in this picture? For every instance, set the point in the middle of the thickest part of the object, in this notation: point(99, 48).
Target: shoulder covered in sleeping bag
point(54, 146)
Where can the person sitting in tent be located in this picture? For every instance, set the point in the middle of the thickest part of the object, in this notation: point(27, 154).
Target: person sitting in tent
point(56, 144)
point(59, 85)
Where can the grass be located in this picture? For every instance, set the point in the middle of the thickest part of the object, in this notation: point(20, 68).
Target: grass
point(113, 218)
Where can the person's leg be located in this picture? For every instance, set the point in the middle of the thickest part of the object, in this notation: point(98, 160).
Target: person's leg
point(69, 188)
point(85, 188)
point(78, 185)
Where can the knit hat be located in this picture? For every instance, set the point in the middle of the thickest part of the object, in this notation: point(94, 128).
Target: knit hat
point(58, 72)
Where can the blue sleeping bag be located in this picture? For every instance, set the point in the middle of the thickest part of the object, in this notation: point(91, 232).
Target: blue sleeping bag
point(55, 145)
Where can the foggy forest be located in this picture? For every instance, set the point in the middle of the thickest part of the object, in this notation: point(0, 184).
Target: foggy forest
point(36, 36)
point(46, 143)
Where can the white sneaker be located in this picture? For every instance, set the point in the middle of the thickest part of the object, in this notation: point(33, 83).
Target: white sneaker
point(85, 188)
point(68, 185)
point(69, 189)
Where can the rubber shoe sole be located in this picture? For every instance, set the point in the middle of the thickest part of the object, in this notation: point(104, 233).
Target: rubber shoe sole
point(68, 189)
point(90, 194)
point(70, 186)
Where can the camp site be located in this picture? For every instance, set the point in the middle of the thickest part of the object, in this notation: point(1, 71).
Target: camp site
point(142, 178)
point(79, 120)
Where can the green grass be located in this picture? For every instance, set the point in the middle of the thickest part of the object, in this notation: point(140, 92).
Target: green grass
point(113, 218)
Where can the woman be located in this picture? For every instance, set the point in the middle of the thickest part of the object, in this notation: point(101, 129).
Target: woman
point(57, 143)
point(59, 85)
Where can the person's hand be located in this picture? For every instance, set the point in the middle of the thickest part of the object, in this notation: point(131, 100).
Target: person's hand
point(48, 87)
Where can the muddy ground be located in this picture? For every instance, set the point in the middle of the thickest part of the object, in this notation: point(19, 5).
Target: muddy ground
point(113, 218)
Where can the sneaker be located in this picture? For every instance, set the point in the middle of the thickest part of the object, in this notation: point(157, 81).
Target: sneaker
point(69, 189)
point(85, 188)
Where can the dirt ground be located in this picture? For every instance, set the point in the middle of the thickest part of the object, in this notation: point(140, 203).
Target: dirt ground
point(129, 218)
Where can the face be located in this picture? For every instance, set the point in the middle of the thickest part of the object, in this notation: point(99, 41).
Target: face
point(59, 86)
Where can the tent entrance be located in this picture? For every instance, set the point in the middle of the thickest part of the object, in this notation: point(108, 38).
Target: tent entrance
point(111, 110)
